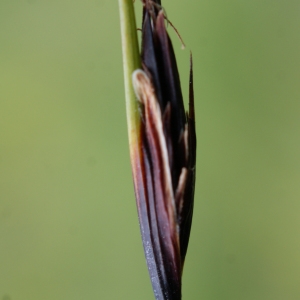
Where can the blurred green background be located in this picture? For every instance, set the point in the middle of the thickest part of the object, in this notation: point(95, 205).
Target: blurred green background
point(68, 221)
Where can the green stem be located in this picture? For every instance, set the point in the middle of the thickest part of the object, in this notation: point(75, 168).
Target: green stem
point(131, 62)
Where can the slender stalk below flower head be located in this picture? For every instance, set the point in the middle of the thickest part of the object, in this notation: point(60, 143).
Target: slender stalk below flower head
point(164, 174)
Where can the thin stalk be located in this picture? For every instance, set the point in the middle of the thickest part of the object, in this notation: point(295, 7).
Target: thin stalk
point(131, 62)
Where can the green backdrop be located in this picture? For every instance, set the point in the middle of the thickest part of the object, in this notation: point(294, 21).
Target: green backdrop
point(68, 221)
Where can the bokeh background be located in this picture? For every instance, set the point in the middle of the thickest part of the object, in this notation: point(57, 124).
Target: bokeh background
point(68, 221)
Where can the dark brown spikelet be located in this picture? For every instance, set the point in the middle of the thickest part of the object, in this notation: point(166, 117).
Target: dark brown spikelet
point(165, 180)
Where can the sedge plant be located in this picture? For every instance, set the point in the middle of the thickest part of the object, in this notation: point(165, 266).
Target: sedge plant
point(162, 142)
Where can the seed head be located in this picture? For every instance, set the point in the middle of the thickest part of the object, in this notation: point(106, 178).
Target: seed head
point(165, 177)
